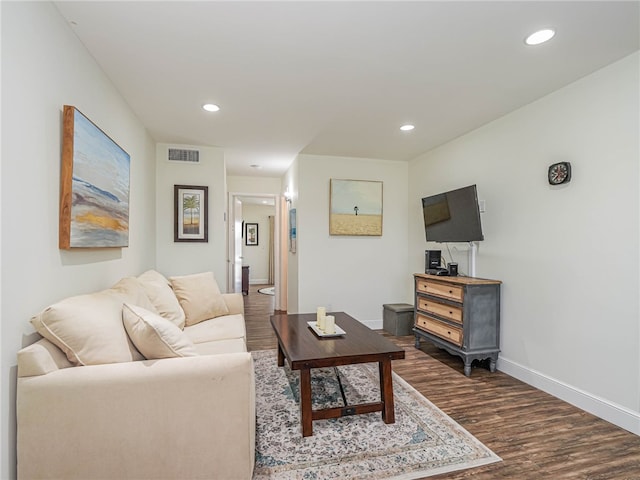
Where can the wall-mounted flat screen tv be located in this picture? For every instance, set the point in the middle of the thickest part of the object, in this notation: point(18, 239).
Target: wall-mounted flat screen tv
point(453, 216)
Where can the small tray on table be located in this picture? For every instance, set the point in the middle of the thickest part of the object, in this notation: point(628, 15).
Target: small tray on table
point(339, 332)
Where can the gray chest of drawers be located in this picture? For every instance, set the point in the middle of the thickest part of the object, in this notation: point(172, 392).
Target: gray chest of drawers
point(460, 315)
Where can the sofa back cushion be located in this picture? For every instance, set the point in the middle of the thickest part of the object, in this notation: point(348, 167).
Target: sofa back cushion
point(88, 329)
point(199, 296)
point(155, 336)
point(161, 295)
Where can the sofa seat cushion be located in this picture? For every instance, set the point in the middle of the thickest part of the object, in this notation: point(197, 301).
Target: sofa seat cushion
point(199, 297)
point(161, 295)
point(233, 345)
point(88, 329)
point(219, 328)
point(154, 336)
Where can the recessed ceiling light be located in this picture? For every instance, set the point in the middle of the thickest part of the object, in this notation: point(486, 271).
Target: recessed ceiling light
point(210, 107)
point(406, 128)
point(540, 36)
point(255, 165)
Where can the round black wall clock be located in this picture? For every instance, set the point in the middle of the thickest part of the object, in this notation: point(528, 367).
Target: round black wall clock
point(559, 173)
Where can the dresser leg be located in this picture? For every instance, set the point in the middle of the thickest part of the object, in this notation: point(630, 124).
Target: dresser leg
point(467, 368)
point(492, 364)
point(417, 342)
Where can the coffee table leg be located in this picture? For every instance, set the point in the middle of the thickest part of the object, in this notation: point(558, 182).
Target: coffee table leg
point(386, 391)
point(280, 356)
point(305, 402)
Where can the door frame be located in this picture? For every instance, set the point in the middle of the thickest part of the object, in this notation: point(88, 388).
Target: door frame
point(280, 265)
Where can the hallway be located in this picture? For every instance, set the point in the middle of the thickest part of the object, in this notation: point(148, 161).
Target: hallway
point(257, 310)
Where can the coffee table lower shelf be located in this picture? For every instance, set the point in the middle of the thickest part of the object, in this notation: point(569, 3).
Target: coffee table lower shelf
point(308, 415)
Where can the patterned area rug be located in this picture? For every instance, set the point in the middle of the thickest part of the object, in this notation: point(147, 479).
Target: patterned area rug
point(423, 441)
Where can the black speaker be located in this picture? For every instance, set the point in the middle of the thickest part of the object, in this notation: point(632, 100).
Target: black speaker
point(453, 269)
point(432, 260)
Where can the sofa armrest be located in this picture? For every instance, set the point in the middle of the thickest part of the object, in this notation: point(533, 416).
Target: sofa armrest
point(234, 302)
point(190, 417)
point(41, 358)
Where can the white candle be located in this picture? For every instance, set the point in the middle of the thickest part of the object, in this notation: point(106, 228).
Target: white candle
point(322, 322)
point(321, 312)
point(329, 324)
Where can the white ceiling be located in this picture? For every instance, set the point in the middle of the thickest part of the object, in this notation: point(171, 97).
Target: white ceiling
point(340, 78)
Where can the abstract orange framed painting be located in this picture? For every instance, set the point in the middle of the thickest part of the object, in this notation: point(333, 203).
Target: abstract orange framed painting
point(94, 186)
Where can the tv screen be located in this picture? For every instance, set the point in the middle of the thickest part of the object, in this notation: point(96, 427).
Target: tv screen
point(452, 216)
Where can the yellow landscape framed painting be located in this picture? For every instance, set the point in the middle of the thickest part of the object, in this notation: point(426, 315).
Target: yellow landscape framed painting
point(94, 186)
point(355, 207)
point(190, 211)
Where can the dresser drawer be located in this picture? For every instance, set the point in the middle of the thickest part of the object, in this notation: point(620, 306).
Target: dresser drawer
point(450, 292)
point(447, 311)
point(441, 329)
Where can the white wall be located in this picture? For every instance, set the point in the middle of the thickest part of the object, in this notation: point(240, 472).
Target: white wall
point(44, 67)
point(182, 258)
point(258, 185)
point(353, 274)
point(568, 255)
point(257, 256)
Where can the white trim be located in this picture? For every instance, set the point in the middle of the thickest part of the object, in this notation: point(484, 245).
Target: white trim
point(373, 324)
point(259, 281)
point(611, 412)
point(620, 416)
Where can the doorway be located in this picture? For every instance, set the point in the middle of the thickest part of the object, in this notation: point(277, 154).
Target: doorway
point(254, 239)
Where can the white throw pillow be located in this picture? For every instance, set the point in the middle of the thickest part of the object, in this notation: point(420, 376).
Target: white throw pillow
point(132, 291)
point(88, 329)
point(199, 296)
point(155, 336)
point(159, 291)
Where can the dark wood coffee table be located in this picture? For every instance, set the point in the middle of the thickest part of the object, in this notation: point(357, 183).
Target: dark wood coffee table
point(304, 350)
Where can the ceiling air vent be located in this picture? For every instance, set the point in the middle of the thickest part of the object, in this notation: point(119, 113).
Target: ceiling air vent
point(183, 155)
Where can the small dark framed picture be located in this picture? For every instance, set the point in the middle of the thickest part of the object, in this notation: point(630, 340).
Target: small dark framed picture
point(191, 203)
point(251, 234)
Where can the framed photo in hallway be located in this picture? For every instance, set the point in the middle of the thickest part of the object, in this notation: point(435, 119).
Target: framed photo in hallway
point(191, 213)
point(251, 234)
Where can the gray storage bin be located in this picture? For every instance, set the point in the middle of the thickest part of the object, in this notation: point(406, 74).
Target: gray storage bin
point(397, 318)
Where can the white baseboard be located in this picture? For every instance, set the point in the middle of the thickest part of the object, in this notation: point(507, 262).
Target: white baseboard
point(618, 415)
point(621, 416)
point(258, 281)
point(373, 324)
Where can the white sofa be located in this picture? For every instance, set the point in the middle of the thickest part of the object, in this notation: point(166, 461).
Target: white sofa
point(150, 379)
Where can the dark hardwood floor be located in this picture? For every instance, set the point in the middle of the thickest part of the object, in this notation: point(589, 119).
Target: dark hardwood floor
point(536, 435)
